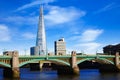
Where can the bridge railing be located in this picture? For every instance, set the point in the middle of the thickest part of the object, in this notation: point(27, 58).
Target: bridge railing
point(64, 56)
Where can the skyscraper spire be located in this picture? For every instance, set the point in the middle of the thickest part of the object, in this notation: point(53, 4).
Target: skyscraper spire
point(40, 48)
point(41, 36)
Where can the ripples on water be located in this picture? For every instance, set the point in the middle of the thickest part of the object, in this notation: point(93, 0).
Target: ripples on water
point(86, 74)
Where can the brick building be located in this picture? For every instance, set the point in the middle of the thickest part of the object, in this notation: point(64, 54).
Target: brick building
point(111, 49)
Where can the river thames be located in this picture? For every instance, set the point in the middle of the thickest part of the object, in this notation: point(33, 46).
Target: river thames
point(85, 74)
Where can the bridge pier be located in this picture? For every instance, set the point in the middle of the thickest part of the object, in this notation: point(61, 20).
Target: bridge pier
point(13, 72)
point(36, 66)
point(74, 65)
point(41, 65)
point(117, 61)
point(73, 69)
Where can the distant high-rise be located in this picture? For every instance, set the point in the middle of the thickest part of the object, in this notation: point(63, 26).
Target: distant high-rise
point(40, 48)
point(60, 47)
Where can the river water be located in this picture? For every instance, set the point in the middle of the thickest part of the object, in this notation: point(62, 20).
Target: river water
point(85, 74)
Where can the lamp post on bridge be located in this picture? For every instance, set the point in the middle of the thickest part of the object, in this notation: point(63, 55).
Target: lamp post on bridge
point(25, 50)
point(46, 54)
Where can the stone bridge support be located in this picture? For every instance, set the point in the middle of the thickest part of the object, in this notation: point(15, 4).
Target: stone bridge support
point(13, 72)
point(73, 69)
point(117, 61)
point(36, 66)
point(41, 65)
point(74, 65)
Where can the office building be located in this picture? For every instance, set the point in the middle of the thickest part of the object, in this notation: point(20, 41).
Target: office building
point(60, 47)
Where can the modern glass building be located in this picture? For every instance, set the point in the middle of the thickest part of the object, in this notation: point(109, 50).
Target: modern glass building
point(40, 48)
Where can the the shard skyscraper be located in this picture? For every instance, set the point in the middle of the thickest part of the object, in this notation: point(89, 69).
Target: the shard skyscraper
point(41, 36)
point(40, 48)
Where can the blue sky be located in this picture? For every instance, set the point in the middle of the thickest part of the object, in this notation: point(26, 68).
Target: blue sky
point(86, 25)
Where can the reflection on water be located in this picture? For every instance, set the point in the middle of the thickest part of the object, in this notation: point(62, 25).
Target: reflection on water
point(86, 74)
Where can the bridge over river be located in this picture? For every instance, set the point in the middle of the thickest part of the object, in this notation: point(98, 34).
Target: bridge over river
point(14, 62)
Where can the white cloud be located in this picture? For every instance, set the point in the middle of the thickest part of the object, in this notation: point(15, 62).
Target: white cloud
point(87, 36)
point(33, 3)
point(29, 35)
point(56, 15)
point(4, 33)
point(88, 48)
point(59, 15)
point(107, 7)
point(86, 42)
point(77, 38)
point(91, 35)
point(21, 20)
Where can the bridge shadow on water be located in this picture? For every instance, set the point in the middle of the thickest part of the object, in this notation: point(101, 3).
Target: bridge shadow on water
point(88, 71)
point(85, 74)
point(102, 68)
